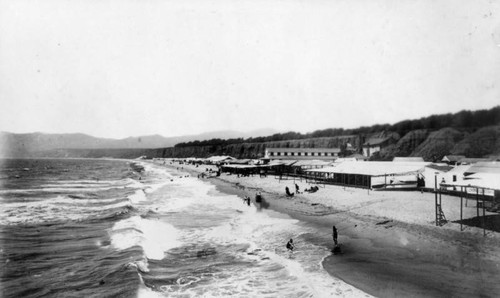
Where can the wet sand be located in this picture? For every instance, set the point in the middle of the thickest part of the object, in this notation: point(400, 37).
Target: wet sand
point(384, 256)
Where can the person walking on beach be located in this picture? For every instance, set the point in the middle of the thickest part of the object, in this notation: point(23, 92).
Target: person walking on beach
point(335, 235)
point(297, 188)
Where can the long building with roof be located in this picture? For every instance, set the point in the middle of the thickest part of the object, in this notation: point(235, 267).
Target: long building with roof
point(302, 153)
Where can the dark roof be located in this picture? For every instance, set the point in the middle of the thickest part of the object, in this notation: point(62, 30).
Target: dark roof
point(453, 158)
point(375, 141)
point(443, 168)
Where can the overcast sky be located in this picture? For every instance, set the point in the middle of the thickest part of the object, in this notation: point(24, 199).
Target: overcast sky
point(136, 67)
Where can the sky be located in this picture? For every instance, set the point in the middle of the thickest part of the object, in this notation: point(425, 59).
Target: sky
point(119, 68)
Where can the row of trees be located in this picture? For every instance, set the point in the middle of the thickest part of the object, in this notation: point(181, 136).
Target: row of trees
point(463, 120)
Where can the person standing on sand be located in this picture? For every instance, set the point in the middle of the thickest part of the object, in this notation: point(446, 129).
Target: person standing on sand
point(335, 235)
point(297, 188)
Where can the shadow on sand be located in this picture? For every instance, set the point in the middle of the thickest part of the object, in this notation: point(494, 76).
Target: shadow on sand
point(491, 222)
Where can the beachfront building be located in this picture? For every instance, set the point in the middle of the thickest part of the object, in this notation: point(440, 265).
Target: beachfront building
point(485, 175)
point(302, 153)
point(374, 145)
point(434, 174)
point(372, 175)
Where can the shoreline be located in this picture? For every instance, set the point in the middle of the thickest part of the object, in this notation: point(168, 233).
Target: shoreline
point(382, 255)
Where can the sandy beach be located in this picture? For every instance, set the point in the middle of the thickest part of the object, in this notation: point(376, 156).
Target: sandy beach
point(390, 244)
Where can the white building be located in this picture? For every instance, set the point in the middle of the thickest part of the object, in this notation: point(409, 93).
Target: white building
point(302, 153)
point(374, 145)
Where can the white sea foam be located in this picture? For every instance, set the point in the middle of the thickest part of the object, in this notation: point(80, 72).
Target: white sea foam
point(154, 237)
point(54, 190)
point(138, 196)
point(60, 207)
point(83, 182)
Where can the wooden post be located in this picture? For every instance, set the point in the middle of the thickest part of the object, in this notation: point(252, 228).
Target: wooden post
point(461, 206)
point(440, 205)
point(466, 200)
point(484, 215)
point(436, 198)
point(477, 201)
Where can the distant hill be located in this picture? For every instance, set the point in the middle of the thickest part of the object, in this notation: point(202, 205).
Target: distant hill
point(38, 144)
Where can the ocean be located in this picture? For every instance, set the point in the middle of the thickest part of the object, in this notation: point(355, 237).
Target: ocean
point(121, 228)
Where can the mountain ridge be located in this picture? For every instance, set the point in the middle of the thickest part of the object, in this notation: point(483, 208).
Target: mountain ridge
point(27, 144)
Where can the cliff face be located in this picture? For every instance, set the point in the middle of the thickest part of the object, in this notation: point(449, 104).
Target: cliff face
point(484, 141)
point(438, 144)
point(406, 145)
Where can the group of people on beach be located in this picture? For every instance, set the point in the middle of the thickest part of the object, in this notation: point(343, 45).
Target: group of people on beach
point(311, 189)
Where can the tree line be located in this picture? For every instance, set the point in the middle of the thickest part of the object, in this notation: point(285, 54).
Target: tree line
point(463, 120)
